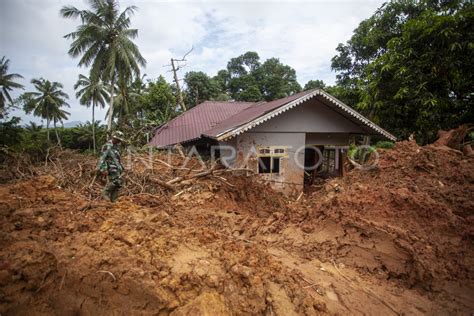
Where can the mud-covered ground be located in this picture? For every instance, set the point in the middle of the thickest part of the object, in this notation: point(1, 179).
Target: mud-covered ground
point(394, 240)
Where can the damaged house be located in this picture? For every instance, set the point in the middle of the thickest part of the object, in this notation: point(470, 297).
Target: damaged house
point(287, 141)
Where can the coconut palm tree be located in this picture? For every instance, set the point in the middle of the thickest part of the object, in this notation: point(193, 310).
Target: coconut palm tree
point(7, 84)
point(92, 92)
point(58, 115)
point(104, 42)
point(46, 102)
point(127, 94)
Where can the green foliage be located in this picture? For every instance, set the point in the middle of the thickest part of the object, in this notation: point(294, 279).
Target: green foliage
point(222, 81)
point(200, 87)
point(408, 67)
point(384, 144)
point(244, 79)
point(81, 137)
point(158, 102)
point(11, 132)
point(276, 80)
point(33, 139)
point(103, 41)
point(125, 102)
point(313, 84)
point(7, 84)
point(91, 92)
point(46, 102)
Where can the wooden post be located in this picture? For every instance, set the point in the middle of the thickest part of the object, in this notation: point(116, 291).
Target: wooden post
point(180, 95)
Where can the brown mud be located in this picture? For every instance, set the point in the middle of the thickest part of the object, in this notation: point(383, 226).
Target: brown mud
point(397, 239)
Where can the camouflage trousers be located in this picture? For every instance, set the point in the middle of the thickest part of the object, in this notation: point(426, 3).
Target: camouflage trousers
point(112, 188)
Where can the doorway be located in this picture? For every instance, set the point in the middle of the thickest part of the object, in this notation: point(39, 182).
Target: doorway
point(322, 161)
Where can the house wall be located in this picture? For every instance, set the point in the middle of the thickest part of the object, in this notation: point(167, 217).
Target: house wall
point(337, 139)
point(228, 152)
point(310, 117)
point(310, 123)
point(290, 180)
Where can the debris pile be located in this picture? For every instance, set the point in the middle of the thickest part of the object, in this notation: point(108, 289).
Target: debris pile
point(410, 219)
point(193, 239)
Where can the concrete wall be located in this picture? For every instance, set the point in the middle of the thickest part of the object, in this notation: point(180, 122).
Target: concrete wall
point(228, 152)
point(310, 117)
point(291, 177)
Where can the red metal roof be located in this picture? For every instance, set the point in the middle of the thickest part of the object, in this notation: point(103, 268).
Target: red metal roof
point(250, 113)
point(213, 119)
point(194, 122)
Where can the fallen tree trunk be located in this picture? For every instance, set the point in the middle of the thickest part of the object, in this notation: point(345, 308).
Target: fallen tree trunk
point(163, 184)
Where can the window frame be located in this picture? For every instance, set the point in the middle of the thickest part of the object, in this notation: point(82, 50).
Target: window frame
point(275, 153)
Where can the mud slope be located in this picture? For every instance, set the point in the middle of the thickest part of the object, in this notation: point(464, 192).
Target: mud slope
point(396, 240)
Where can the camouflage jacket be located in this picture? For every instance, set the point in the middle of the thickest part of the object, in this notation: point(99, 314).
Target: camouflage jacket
point(110, 159)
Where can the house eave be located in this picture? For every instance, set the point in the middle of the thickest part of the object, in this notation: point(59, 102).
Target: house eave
point(233, 132)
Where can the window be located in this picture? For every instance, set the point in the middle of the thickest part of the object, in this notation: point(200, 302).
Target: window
point(269, 159)
point(264, 164)
point(269, 164)
point(276, 164)
point(329, 160)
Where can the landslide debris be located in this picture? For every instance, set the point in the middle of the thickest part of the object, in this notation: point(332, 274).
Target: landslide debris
point(396, 239)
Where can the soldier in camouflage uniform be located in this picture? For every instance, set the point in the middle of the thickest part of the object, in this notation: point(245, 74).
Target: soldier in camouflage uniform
point(110, 165)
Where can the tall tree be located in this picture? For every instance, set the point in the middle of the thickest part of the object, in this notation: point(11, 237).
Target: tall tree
point(91, 92)
point(276, 80)
point(7, 84)
point(200, 87)
point(222, 80)
point(158, 103)
point(243, 65)
point(408, 66)
point(104, 42)
point(424, 80)
point(58, 115)
point(242, 83)
point(247, 79)
point(313, 84)
point(125, 99)
point(368, 42)
point(46, 102)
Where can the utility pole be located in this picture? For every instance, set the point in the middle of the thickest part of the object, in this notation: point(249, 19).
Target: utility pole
point(175, 75)
point(175, 67)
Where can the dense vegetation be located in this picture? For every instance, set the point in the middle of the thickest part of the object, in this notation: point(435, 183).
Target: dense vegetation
point(408, 67)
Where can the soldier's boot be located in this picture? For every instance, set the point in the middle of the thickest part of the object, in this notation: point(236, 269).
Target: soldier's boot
point(106, 193)
point(114, 194)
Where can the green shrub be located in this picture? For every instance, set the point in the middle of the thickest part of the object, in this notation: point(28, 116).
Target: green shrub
point(11, 133)
point(385, 144)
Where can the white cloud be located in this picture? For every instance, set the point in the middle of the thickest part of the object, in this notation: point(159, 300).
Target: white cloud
point(303, 34)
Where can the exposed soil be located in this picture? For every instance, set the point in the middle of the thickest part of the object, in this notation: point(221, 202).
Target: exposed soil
point(394, 240)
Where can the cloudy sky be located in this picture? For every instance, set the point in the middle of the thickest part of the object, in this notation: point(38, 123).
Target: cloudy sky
point(302, 34)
